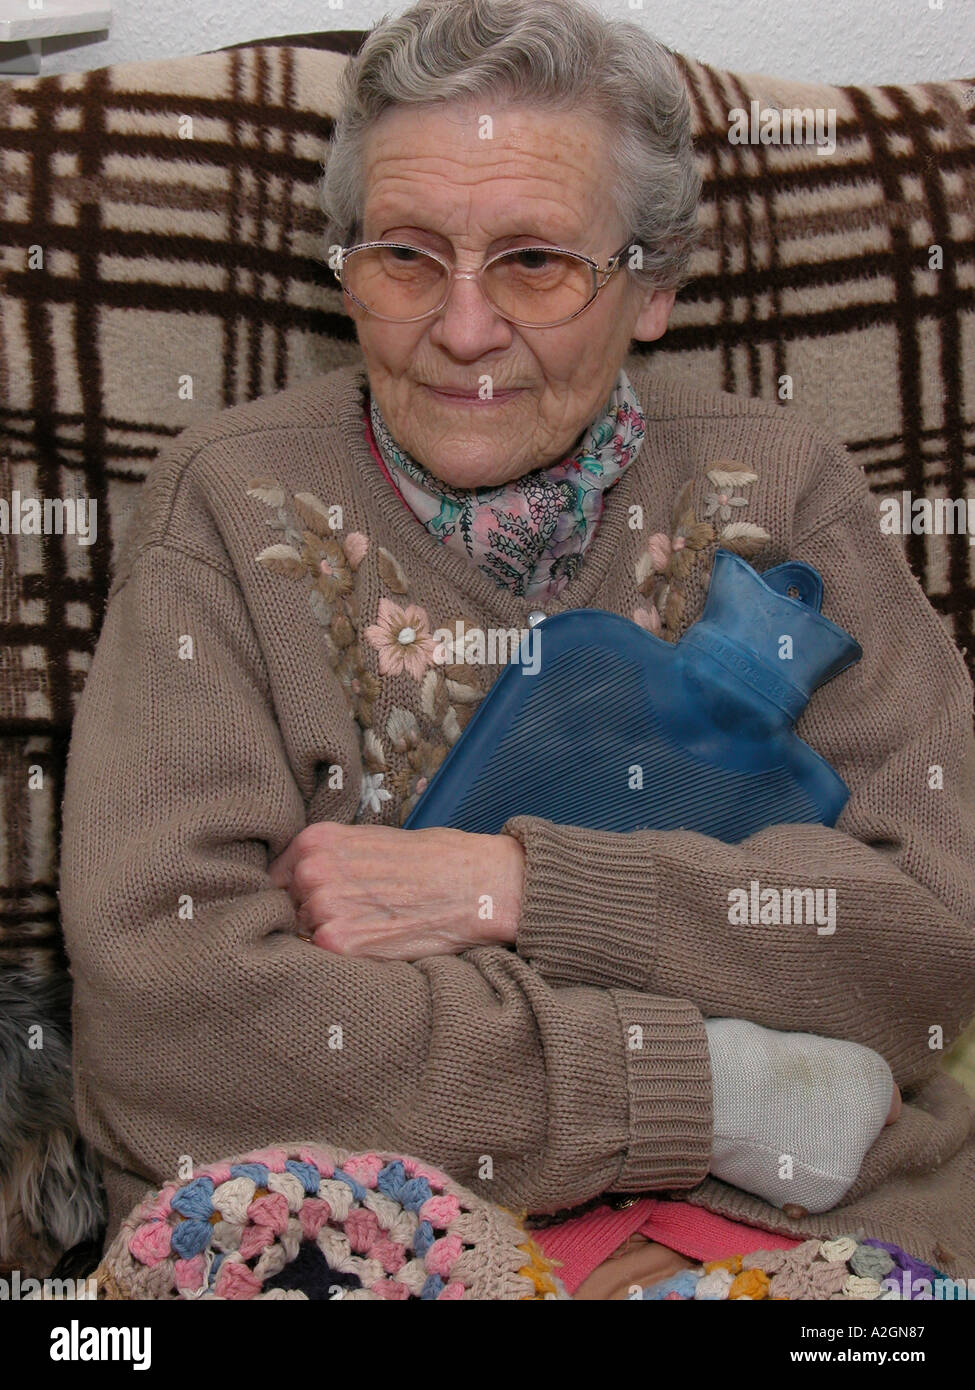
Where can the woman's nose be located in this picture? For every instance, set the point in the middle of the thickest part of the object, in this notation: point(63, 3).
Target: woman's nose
point(468, 325)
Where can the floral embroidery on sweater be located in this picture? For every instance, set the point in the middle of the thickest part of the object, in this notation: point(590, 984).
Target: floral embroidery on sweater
point(402, 635)
point(663, 568)
point(326, 562)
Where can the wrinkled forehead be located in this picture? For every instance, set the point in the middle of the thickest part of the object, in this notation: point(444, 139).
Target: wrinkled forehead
point(478, 169)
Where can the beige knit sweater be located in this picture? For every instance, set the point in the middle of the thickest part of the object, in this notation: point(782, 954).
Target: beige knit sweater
point(235, 697)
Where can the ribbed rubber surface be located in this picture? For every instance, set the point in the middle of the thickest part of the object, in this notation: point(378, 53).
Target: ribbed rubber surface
point(561, 763)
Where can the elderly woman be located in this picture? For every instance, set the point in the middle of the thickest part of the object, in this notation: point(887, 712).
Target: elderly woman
point(261, 950)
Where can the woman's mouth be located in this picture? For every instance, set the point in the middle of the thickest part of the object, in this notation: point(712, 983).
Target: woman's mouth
point(471, 398)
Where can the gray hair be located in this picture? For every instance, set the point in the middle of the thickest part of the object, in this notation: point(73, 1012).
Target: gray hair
point(558, 53)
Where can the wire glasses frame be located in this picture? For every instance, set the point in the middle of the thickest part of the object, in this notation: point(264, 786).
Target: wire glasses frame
point(607, 272)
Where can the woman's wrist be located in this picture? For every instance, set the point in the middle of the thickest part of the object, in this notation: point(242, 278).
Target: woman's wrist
point(508, 856)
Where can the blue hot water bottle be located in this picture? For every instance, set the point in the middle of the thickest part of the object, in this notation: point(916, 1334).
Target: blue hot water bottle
point(620, 730)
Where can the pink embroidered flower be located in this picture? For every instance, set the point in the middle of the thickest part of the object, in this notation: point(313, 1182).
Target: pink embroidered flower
point(403, 640)
point(410, 781)
point(659, 549)
point(328, 566)
point(648, 618)
point(722, 503)
point(360, 685)
point(690, 536)
point(355, 546)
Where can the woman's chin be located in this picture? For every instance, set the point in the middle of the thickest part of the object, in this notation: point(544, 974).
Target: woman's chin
point(459, 462)
point(489, 473)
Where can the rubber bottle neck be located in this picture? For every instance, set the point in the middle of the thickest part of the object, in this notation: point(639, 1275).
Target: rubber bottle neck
point(769, 686)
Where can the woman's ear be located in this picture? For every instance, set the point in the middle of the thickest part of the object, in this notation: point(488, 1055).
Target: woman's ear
point(653, 317)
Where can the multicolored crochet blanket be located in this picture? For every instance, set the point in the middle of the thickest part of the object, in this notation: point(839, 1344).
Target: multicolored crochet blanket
point(844, 1268)
point(308, 1222)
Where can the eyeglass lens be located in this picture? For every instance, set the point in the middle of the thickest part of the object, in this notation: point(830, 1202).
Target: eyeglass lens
point(533, 284)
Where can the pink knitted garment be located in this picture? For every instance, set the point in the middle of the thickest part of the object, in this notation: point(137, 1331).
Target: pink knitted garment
point(371, 441)
point(585, 1241)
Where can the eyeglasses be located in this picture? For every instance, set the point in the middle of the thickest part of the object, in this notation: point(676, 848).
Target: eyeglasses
point(531, 286)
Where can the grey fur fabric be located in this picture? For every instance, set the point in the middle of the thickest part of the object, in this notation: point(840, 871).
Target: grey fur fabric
point(50, 1194)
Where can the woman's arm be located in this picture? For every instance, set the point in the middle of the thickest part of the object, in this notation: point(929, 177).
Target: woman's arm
point(204, 1025)
point(896, 971)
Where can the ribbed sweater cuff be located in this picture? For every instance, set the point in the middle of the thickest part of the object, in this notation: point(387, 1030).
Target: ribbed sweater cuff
point(669, 1084)
point(588, 905)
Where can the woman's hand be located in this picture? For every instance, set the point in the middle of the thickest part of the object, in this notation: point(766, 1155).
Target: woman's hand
point(375, 890)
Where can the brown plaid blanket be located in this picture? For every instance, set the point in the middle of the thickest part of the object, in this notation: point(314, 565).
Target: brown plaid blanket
point(161, 258)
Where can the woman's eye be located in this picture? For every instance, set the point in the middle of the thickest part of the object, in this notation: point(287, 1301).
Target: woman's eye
point(403, 252)
point(532, 258)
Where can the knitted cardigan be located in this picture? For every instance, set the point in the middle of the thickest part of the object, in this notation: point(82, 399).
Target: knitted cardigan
point(236, 694)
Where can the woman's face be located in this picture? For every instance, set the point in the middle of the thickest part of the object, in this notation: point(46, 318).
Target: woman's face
point(541, 177)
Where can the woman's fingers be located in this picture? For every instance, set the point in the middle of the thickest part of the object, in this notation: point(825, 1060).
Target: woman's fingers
point(281, 869)
point(317, 838)
point(402, 894)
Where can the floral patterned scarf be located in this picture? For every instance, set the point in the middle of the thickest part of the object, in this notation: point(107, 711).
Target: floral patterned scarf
point(530, 534)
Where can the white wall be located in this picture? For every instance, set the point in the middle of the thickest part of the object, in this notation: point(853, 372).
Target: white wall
point(839, 41)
